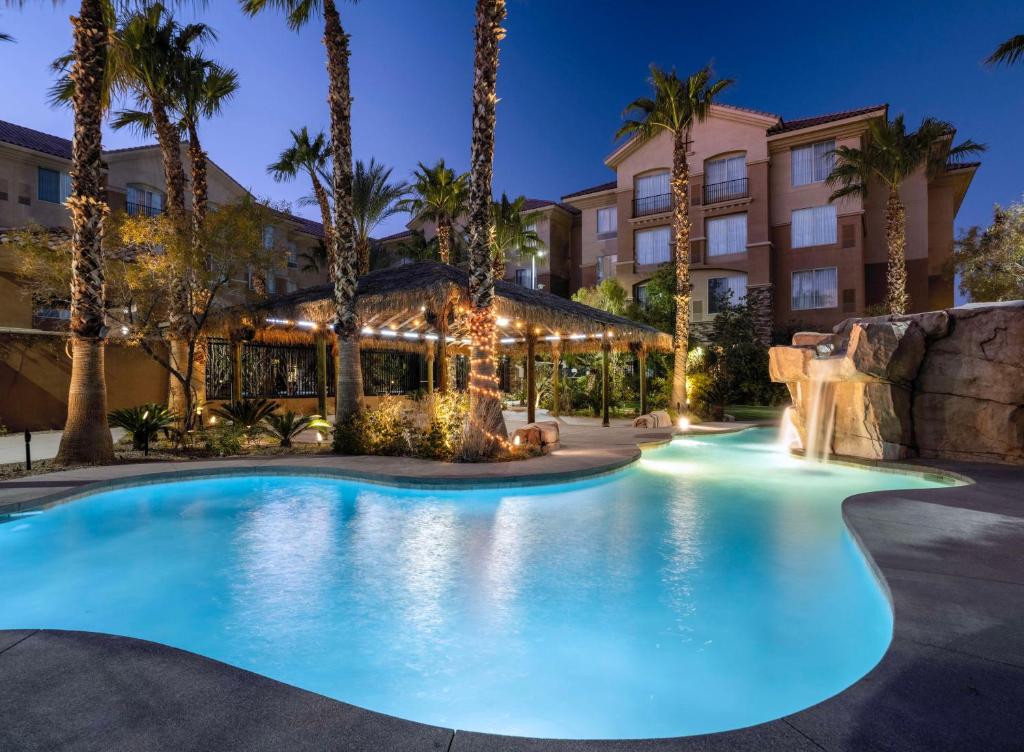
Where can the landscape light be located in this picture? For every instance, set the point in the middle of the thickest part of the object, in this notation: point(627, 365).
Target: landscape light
point(684, 424)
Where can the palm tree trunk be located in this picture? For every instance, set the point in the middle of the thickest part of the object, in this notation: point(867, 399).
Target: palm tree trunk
point(681, 255)
point(343, 263)
point(200, 198)
point(444, 242)
point(170, 150)
point(363, 255)
point(896, 240)
point(485, 431)
point(325, 216)
point(86, 437)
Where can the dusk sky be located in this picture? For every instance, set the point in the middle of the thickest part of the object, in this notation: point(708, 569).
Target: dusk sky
point(567, 69)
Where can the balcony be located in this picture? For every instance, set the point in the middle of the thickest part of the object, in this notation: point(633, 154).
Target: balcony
point(730, 189)
point(142, 210)
point(652, 205)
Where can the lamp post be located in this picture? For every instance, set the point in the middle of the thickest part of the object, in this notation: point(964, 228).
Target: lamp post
point(533, 267)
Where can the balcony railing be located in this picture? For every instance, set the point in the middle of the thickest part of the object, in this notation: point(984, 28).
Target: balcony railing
point(652, 204)
point(144, 210)
point(730, 189)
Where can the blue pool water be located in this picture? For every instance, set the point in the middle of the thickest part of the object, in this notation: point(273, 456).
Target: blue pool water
point(711, 586)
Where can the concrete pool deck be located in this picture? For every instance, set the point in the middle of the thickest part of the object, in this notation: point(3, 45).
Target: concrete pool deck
point(952, 679)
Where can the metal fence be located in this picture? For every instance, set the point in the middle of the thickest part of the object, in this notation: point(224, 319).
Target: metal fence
point(273, 371)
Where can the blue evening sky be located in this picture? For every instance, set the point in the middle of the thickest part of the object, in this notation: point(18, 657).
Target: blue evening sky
point(567, 69)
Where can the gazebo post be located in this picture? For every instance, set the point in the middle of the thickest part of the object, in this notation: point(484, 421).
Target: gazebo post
point(442, 350)
point(430, 367)
point(641, 360)
point(531, 377)
point(236, 369)
point(321, 375)
point(605, 350)
point(556, 368)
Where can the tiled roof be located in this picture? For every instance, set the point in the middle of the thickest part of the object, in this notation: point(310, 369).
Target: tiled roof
point(793, 125)
point(308, 226)
point(540, 203)
point(748, 109)
point(395, 236)
point(592, 189)
point(27, 138)
point(950, 166)
point(131, 148)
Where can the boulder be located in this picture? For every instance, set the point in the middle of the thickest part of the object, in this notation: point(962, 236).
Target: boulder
point(880, 428)
point(948, 426)
point(811, 339)
point(542, 434)
point(934, 324)
point(548, 431)
point(656, 419)
point(886, 351)
point(529, 435)
point(789, 364)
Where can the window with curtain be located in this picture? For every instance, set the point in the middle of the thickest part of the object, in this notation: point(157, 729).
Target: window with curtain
point(144, 200)
point(268, 237)
point(653, 246)
point(723, 291)
point(727, 234)
point(54, 186)
point(640, 295)
point(606, 266)
point(651, 185)
point(607, 220)
point(723, 170)
point(293, 255)
point(815, 288)
point(814, 226)
point(523, 278)
point(813, 163)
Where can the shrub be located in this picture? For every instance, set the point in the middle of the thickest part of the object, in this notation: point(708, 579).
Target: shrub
point(383, 429)
point(142, 422)
point(446, 417)
point(224, 440)
point(286, 426)
point(247, 414)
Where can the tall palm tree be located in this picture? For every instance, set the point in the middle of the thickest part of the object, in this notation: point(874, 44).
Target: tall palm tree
point(374, 199)
point(343, 253)
point(1009, 52)
point(6, 37)
point(514, 231)
point(438, 196)
point(310, 156)
point(889, 155)
point(678, 104)
point(485, 430)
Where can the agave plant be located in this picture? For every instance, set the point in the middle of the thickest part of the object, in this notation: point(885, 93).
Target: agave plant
point(286, 426)
point(142, 422)
point(247, 414)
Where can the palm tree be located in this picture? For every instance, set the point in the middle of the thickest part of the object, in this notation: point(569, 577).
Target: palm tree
point(514, 231)
point(6, 37)
point(438, 196)
point(310, 156)
point(343, 252)
point(374, 199)
point(677, 105)
point(889, 155)
point(485, 429)
point(1009, 52)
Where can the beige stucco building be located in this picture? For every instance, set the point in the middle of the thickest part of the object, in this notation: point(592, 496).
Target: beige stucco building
point(762, 224)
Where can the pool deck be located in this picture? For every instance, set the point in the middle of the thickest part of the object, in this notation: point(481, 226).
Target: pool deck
point(952, 679)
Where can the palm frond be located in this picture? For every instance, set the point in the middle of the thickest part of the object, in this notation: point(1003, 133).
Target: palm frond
point(138, 121)
point(1009, 52)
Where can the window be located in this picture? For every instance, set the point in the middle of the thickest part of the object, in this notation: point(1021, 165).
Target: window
point(291, 286)
point(523, 277)
point(723, 170)
point(54, 186)
point(814, 288)
point(813, 163)
point(144, 200)
point(651, 194)
point(727, 235)
point(58, 314)
point(607, 220)
point(723, 291)
point(268, 237)
point(653, 246)
point(271, 284)
point(293, 255)
point(640, 295)
point(814, 226)
point(606, 266)
point(250, 278)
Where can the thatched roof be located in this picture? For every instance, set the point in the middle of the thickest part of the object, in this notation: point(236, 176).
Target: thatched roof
point(404, 302)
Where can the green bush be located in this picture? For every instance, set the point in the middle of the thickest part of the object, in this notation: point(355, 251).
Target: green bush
point(224, 440)
point(446, 414)
point(247, 414)
point(286, 426)
point(142, 422)
point(383, 429)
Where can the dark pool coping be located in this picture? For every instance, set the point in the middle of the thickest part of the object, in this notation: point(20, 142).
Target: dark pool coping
point(952, 678)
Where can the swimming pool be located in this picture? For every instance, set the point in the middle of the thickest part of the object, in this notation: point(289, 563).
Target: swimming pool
point(712, 585)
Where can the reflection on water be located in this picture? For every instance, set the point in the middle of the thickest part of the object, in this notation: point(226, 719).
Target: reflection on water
point(711, 586)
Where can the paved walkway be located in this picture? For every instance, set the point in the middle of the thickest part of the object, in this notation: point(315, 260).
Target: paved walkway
point(44, 445)
point(952, 679)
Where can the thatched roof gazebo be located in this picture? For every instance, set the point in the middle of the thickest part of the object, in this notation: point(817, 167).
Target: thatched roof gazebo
point(419, 307)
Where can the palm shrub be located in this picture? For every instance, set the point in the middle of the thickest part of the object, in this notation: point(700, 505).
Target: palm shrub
point(247, 414)
point(142, 421)
point(287, 425)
